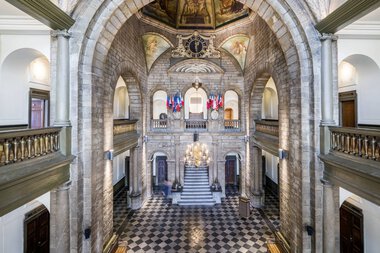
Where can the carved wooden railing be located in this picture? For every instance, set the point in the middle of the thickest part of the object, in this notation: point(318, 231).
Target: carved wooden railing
point(195, 124)
point(159, 123)
point(122, 126)
point(359, 142)
point(20, 145)
point(267, 126)
point(232, 125)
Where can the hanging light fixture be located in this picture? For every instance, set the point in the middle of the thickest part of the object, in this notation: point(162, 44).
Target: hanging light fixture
point(197, 155)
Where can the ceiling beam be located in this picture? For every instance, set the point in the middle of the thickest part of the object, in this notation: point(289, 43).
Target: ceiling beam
point(347, 13)
point(46, 12)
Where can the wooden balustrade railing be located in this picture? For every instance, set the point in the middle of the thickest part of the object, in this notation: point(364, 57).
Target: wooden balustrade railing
point(20, 145)
point(267, 126)
point(360, 142)
point(159, 123)
point(121, 126)
point(231, 124)
point(196, 124)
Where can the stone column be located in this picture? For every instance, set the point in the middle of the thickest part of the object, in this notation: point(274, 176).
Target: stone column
point(329, 215)
point(62, 90)
point(60, 219)
point(214, 169)
point(135, 179)
point(257, 191)
point(177, 160)
point(327, 101)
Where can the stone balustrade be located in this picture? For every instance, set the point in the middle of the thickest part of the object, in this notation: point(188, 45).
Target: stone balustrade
point(232, 125)
point(20, 145)
point(159, 123)
point(359, 142)
point(122, 126)
point(195, 124)
point(267, 127)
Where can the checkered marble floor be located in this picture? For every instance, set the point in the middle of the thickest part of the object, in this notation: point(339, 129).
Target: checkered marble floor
point(160, 228)
point(121, 214)
point(271, 209)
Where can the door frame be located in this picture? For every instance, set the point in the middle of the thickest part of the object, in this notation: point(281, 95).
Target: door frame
point(348, 96)
point(36, 212)
point(43, 95)
point(236, 179)
point(353, 210)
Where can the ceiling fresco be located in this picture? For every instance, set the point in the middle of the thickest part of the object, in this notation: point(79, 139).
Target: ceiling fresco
point(196, 14)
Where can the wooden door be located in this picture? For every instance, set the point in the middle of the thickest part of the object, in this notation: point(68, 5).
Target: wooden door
point(37, 113)
point(162, 169)
point(36, 226)
point(230, 168)
point(348, 113)
point(351, 229)
point(228, 114)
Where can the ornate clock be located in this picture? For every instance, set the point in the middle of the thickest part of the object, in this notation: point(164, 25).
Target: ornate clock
point(195, 46)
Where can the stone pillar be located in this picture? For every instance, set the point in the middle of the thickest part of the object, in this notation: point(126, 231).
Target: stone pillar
point(177, 160)
point(214, 169)
point(327, 100)
point(62, 91)
point(257, 191)
point(60, 219)
point(63, 80)
point(135, 179)
point(329, 215)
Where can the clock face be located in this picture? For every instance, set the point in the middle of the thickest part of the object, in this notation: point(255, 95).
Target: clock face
point(195, 46)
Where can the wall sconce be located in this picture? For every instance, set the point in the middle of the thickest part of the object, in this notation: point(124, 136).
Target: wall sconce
point(109, 155)
point(282, 154)
point(246, 138)
point(310, 230)
point(145, 138)
point(196, 84)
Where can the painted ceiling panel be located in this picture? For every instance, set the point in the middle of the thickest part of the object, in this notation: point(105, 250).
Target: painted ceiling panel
point(196, 14)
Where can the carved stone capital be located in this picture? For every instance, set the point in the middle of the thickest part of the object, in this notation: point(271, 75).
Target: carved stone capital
point(328, 36)
point(61, 33)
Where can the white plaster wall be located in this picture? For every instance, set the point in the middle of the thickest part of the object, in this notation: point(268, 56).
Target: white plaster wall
point(271, 162)
point(121, 100)
point(12, 225)
point(159, 103)
point(192, 92)
point(371, 222)
point(270, 101)
point(14, 77)
point(367, 87)
point(231, 100)
point(118, 167)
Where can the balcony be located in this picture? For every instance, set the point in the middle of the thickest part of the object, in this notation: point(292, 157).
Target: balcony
point(20, 145)
point(232, 125)
point(31, 164)
point(159, 124)
point(125, 135)
point(196, 124)
point(353, 161)
point(266, 135)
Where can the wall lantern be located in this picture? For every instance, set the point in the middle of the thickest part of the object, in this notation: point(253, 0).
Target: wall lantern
point(282, 154)
point(109, 155)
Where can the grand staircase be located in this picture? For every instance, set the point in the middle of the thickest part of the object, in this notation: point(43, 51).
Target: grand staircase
point(196, 189)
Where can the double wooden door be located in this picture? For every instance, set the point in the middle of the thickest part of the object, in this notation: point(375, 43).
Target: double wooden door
point(231, 170)
point(351, 229)
point(36, 225)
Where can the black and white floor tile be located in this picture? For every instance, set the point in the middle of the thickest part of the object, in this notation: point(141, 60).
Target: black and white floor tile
point(271, 209)
point(159, 228)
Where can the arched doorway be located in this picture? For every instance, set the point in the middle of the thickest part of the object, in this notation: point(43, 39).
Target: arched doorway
point(159, 171)
point(232, 174)
point(37, 230)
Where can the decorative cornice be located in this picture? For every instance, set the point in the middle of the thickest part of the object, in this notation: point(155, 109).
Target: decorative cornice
point(21, 25)
point(46, 12)
point(361, 30)
point(197, 66)
point(348, 12)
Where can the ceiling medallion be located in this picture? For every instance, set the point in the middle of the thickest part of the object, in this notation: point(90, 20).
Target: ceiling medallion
point(195, 46)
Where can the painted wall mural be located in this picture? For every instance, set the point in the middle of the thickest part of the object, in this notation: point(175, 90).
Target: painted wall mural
point(154, 46)
point(196, 14)
point(237, 46)
point(229, 10)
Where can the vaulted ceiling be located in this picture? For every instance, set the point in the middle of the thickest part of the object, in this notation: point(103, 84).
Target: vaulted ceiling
point(196, 14)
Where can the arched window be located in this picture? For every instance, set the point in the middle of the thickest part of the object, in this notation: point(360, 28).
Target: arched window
point(121, 101)
point(25, 74)
point(159, 105)
point(195, 104)
point(231, 105)
point(270, 101)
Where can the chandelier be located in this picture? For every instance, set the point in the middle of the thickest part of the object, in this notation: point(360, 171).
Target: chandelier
point(197, 155)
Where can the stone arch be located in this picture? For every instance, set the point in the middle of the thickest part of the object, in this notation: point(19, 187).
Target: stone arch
point(200, 92)
point(157, 107)
point(297, 40)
